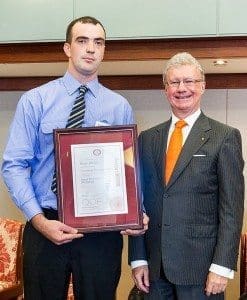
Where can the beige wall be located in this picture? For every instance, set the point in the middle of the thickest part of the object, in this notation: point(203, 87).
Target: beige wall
point(8, 101)
point(228, 106)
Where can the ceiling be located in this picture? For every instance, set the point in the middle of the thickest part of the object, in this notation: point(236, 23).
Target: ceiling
point(136, 67)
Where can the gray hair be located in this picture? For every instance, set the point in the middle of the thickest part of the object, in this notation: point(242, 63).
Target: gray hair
point(182, 59)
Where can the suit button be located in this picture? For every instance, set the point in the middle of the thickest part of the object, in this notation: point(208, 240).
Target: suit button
point(159, 225)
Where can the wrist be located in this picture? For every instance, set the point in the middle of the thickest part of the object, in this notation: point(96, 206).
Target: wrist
point(38, 221)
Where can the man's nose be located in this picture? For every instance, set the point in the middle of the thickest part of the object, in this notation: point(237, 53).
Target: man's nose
point(181, 85)
point(91, 47)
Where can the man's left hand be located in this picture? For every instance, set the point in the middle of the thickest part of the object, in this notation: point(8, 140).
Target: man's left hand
point(137, 231)
point(215, 284)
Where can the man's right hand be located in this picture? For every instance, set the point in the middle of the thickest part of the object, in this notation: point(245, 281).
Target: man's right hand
point(141, 278)
point(55, 231)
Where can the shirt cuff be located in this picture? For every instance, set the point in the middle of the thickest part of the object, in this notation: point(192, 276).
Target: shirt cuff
point(222, 271)
point(31, 209)
point(138, 263)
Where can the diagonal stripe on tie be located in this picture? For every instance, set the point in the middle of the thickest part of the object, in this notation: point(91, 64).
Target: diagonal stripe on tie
point(78, 110)
point(75, 120)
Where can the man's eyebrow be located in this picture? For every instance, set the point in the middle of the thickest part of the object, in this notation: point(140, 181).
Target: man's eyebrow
point(100, 38)
point(87, 38)
point(82, 37)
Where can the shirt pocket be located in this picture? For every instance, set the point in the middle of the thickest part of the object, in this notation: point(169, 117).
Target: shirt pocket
point(46, 135)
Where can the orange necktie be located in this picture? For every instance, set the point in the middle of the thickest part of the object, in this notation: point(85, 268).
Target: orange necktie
point(174, 148)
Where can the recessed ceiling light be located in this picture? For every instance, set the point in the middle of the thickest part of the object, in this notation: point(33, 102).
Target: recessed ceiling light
point(220, 62)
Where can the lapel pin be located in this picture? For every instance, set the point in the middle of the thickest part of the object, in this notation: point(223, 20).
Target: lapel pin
point(203, 138)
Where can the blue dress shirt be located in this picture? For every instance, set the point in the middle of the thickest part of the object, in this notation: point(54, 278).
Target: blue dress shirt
point(28, 160)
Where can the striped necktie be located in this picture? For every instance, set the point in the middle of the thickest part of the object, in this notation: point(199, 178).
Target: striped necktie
point(174, 149)
point(75, 120)
point(77, 113)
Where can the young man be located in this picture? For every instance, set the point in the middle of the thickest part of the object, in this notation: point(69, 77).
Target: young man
point(52, 250)
point(194, 199)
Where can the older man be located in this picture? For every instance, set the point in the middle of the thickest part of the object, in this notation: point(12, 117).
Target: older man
point(193, 190)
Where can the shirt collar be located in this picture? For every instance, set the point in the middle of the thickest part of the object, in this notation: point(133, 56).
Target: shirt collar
point(72, 85)
point(190, 120)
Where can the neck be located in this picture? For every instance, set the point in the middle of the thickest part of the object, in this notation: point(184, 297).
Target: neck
point(83, 78)
point(183, 114)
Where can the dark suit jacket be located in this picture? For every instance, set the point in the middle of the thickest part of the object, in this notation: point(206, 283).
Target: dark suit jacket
point(196, 219)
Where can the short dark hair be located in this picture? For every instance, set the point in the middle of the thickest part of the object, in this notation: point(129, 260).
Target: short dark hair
point(83, 20)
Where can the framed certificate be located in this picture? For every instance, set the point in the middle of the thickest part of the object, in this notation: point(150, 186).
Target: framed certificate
point(98, 181)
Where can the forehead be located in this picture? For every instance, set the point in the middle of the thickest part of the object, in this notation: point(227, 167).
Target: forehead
point(87, 30)
point(184, 71)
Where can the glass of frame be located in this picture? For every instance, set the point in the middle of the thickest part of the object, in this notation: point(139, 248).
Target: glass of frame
point(98, 178)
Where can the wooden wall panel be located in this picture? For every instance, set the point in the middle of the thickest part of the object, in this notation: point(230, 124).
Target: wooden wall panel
point(222, 47)
point(133, 82)
point(150, 49)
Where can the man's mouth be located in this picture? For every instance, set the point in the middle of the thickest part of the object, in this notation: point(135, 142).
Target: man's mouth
point(89, 59)
point(182, 97)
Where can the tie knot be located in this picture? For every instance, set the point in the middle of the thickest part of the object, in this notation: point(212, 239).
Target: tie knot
point(82, 90)
point(180, 124)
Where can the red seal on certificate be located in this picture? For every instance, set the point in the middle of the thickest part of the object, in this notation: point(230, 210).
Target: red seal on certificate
point(97, 152)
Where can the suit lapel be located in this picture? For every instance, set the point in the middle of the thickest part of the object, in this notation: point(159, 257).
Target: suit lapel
point(159, 148)
point(197, 137)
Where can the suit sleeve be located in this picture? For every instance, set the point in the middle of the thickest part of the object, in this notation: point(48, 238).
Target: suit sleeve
point(136, 246)
point(231, 200)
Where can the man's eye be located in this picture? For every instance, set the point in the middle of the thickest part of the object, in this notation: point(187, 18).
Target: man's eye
point(175, 82)
point(188, 81)
point(99, 43)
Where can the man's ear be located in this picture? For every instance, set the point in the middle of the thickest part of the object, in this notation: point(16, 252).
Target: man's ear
point(203, 87)
point(66, 49)
point(165, 88)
